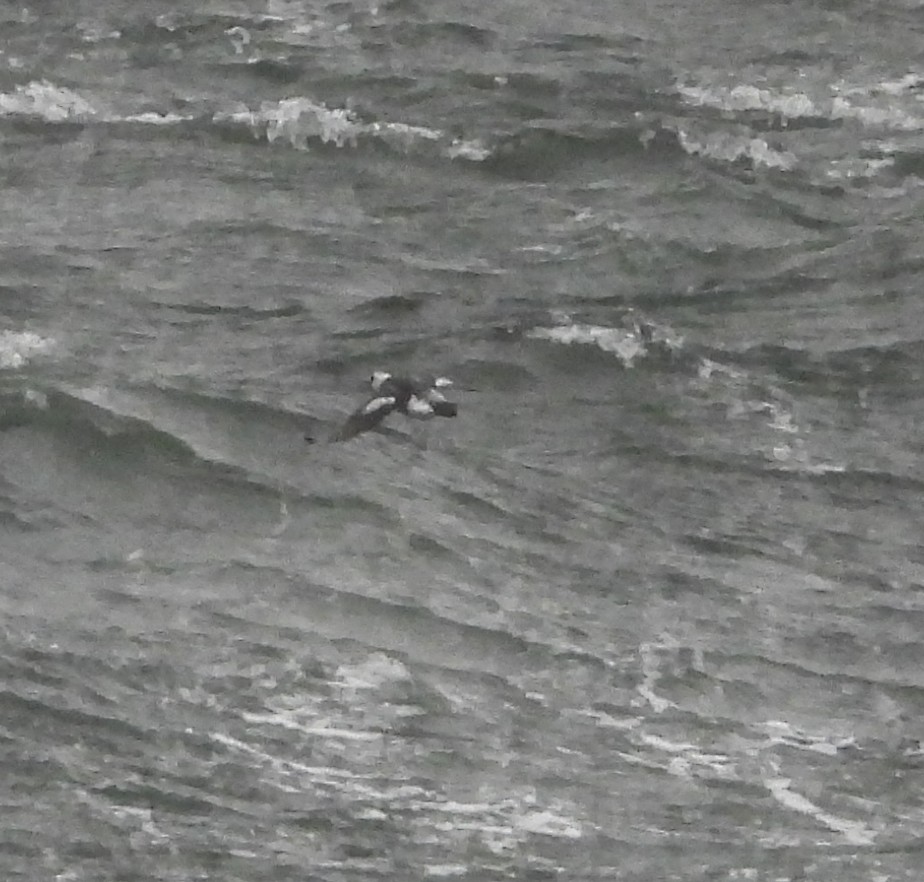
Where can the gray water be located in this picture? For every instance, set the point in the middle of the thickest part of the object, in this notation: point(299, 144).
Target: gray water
point(649, 608)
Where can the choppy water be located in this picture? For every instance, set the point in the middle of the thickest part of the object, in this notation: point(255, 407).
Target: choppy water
point(650, 608)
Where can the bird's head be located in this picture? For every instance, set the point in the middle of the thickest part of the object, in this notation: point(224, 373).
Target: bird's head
point(378, 379)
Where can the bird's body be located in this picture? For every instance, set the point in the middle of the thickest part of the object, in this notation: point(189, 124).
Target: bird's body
point(420, 399)
point(415, 398)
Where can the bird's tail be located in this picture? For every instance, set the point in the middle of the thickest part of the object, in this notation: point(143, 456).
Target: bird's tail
point(445, 408)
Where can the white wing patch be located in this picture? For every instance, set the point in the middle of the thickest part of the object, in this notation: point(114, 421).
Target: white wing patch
point(379, 378)
point(418, 408)
point(378, 404)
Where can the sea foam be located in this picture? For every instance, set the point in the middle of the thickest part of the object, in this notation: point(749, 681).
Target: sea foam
point(19, 347)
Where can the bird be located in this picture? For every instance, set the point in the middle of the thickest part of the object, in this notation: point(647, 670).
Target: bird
point(420, 399)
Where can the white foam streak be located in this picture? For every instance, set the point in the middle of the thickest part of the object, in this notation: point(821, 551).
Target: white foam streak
point(46, 101)
point(444, 870)
point(318, 773)
point(298, 121)
point(733, 148)
point(374, 672)
point(43, 100)
point(321, 730)
point(779, 732)
point(547, 823)
point(402, 135)
point(501, 824)
point(874, 105)
point(853, 832)
point(473, 151)
point(295, 121)
point(622, 343)
point(151, 118)
point(743, 97)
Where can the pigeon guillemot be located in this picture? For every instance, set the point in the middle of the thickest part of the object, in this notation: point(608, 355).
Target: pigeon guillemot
point(419, 399)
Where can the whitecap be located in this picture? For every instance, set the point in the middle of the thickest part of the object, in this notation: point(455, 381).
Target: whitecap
point(296, 120)
point(624, 344)
point(153, 118)
point(47, 101)
point(745, 97)
point(402, 135)
point(851, 168)
point(300, 120)
point(547, 823)
point(876, 116)
point(444, 870)
point(19, 347)
point(44, 100)
point(372, 673)
point(863, 104)
point(473, 151)
point(730, 148)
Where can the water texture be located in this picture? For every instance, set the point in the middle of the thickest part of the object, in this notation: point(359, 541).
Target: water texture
point(650, 608)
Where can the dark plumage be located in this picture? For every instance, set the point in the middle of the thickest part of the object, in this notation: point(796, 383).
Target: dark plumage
point(418, 399)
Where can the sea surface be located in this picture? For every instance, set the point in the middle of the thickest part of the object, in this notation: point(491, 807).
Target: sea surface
point(650, 608)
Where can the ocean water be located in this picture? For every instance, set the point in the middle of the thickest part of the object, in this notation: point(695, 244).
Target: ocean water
point(650, 608)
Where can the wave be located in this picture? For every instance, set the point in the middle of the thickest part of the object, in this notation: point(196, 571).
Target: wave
point(17, 348)
point(298, 121)
point(529, 151)
point(636, 339)
point(50, 103)
point(782, 108)
point(763, 427)
point(45, 101)
point(876, 105)
point(736, 148)
point(894, 371)
point(141, 434)
point(301, 122)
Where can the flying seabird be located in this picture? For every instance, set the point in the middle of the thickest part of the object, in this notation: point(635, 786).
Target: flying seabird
point(419, 399)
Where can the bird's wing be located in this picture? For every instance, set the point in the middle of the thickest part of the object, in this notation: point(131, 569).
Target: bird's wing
point(434, 402)
point(434, 395)
point(431, 387)
point(419, 407)
point(365, 418)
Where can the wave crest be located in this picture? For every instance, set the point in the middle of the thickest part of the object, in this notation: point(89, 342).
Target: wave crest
point(43, 100)
point(19, 347)
point(628, 344)
point(299, 121)
point(878, 105)
point(736, 148)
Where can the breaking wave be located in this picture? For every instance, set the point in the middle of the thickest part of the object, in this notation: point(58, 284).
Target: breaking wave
point(300, 122)
point(17, 348)
point(736, 148)
point(878, 105)
point(628, 343)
